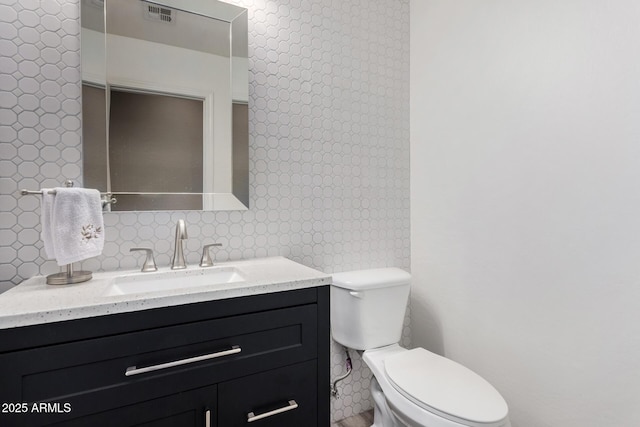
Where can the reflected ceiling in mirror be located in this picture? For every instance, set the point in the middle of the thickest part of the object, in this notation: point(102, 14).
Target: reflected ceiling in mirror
point(165, 114)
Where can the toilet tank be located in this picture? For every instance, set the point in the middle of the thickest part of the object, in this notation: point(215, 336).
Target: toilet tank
point(368, 307)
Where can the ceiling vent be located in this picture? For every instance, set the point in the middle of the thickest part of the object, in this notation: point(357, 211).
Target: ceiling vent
point(153, 12)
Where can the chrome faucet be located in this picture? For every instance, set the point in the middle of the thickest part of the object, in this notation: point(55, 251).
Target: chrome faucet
point(178, 262)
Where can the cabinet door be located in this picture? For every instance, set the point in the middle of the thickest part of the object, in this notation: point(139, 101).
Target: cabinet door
point(194, 408)
point(95, 375)
point(277, 398)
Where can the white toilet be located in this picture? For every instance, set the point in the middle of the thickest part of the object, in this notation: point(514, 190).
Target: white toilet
point(410, 387)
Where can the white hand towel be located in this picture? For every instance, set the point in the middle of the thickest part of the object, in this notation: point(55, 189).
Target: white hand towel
point(77, 224)
point(46, 209)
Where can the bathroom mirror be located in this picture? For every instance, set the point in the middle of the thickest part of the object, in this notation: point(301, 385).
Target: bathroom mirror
point(165, 103)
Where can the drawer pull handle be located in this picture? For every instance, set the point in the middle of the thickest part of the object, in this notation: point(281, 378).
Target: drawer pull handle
point(251, 417)
point(132, 370)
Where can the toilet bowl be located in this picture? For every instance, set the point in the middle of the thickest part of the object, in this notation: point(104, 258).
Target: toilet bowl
point(410, 387)
point(421, 388)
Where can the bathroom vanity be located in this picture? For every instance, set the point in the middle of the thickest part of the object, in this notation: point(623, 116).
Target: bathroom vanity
point(255, 351)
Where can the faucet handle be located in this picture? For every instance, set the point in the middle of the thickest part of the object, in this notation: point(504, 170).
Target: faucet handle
point(206, 261)
point(149, 262)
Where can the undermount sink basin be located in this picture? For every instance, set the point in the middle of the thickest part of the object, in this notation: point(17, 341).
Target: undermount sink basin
point(163, 281)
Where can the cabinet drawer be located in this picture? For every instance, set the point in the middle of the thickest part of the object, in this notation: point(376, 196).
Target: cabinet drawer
point(282, 397)
point(103, 373)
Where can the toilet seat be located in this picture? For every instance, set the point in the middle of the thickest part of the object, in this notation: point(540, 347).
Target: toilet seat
point(421, 411)
point(445, 387)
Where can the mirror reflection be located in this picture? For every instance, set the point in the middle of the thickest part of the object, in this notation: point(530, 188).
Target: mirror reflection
point(165, 115)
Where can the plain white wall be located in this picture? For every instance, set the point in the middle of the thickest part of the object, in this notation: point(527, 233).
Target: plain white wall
point(525, 201)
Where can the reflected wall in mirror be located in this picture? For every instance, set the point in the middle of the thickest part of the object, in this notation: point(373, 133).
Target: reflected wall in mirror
point(165, 114)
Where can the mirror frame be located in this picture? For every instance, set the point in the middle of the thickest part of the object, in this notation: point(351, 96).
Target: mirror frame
point(235, 178)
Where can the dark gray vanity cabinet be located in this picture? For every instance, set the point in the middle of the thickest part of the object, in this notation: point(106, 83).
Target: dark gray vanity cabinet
point(261, 360)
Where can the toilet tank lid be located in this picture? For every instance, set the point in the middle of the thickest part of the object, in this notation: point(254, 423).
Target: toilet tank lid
point(371, 279)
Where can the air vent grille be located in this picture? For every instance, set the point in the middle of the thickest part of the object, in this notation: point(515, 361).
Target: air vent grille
point(158, 13)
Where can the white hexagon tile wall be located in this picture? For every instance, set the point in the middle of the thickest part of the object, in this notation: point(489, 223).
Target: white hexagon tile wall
point(329, 145)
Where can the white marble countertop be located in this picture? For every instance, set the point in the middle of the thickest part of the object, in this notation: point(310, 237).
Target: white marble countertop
point(34, 302)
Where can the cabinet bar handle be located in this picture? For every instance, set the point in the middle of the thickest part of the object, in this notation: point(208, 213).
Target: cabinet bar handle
point(207, 418)
point(251, 417)
point(132, 370)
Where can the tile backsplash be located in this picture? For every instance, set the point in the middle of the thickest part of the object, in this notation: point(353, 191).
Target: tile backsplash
point(329, 146)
